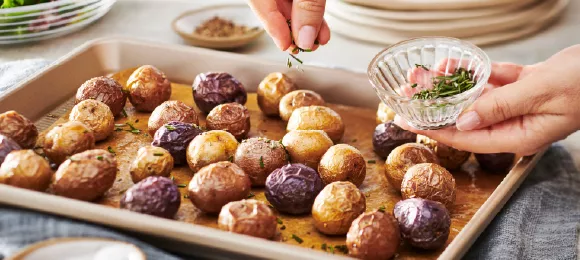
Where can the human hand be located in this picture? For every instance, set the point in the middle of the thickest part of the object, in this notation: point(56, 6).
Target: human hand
point(522, 110)
point(307, 17)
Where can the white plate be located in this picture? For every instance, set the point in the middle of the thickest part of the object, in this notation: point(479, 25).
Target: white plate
point(431, 4)
point(80, 249)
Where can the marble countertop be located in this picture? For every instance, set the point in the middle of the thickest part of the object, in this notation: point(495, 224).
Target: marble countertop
point(150, 19)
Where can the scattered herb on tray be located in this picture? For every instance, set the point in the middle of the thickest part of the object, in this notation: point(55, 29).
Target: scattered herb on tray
point(110, 149)
point(354, 140)
point(158, 154)
point(323, 246)
point(341, 248)
point(279, 220)
point(372, 161)
point(251, 195)
point(181, 185)
point(297, 238)
point(218, 27)
point(231, 158)
point(124, 113)
point(283, 227)
point(382, 209)
point(331, 248)
point(172, 178)
point(459, 81)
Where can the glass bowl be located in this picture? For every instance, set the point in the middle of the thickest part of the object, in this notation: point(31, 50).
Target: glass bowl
point(395, 71)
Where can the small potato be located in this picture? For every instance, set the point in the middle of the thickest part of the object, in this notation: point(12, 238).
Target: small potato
point(154, 195)
point(18, 128)
point(103, 89)
point(210, 147)
point(248, 217)
point(292, 188)
point(173, 110)
point(218, 184)
point(231, 117)
point(384, 114)
point(296, 99)
point(26, 169)
point(67, 139)
point(373, 235)
point(388, 136)
point(449, 157)
point(403, 157)
point(423, 223)
point(336, 207)
point(86, 176)
point(259, 157)
point(174, 137)
point(7, 145)
point(429, 181)
point(317, 118)
point(148, 87)
point(306, 146)
point(96, 116)
point(343, 162)
point(215, 88)
point(151, 161)
point(271, 90)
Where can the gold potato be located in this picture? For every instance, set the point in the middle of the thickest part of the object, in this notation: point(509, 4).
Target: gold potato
point(259, 157)
point(306, 146)
point(96, 115)
point(342, 162)
point(373, 235)
point(18, 128)
point(67, 139)
point(317, 118)
point(296, 99)
point(248, 217)
point(429, 181)
point(336, 207)
point(148, 87)
point(26, 169)
point(231, 117)
point(210, 147)
point(151, 161)
point(271, 90)
point(449, 157)
point(403, 157)
point(173, 110)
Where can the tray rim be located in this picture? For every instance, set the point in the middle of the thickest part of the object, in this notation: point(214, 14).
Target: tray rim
point(215, 238)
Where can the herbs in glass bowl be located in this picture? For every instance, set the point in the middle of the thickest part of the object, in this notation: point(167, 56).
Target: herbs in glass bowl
point(459, 81)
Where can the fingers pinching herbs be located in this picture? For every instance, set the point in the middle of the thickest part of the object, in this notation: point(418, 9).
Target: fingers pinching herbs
point(274, 20)
point(307, 19)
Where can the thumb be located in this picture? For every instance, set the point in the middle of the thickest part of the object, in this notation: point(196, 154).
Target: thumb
point(307, 17)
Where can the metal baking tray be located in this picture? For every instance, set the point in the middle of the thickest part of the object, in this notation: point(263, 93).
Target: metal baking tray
point(46, 93)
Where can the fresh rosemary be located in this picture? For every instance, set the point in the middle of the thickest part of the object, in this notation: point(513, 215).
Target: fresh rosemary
point(296, 49)
point(445, 86)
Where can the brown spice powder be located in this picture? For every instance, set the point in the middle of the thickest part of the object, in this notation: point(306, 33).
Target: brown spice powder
point(219, 28)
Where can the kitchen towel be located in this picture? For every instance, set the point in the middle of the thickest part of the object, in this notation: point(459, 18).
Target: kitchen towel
point(540, 221)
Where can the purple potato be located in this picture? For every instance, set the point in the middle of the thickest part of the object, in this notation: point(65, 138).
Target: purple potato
point(388, 136)
point(498, 162)
point(7, 145)
point(174, 137)
point(292, 188)
point(215, 88)
point(155, 195)
point(423, 223)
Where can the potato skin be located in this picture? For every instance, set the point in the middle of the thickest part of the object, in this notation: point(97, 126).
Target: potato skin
point(217, 184)
point(173, 110)
point(292, 188)
point(104, 89)
point(248, 217)
point(271, 90)
point(259, 157)
point(317, 118)
point(7, 145)
point(429, 181)
point(26, 169)
point(336, 207)
point(86, 176)
point(403, 157)
point(373, 235)
point(306, 146)
point(96, 116)
point(496, 162)
point(388, 136)
point(423, 223)
point(154, 195)
point(148, 87)
point(296, 99)
point(343, 162)
point(215, 88)
point(151, 161)
point(18, 128)
point(384, 114)
point(231, 117)
point(449, 157)
point(210, 147)
point(67, 139)
point(175, 137)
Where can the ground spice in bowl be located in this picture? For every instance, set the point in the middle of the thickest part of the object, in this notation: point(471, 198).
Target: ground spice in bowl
point(217, 27)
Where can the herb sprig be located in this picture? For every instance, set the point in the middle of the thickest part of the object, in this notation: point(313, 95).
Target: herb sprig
point(296, 49)
point(459, 81)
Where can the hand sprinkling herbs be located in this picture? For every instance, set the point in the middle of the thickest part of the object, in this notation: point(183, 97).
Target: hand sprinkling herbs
point(296, 49)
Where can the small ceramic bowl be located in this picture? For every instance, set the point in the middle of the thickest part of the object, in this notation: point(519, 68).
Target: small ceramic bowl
point(240, 14)
point(394, 73)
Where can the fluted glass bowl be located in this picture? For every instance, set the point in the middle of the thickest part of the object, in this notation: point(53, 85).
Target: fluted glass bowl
point(394, 72)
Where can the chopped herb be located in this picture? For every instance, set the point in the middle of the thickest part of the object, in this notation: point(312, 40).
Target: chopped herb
point(323, 246)
point(279, 221)
point(267, 141)
point(130, 125)
point(172, 178)
point(283, 227)
point(382, 209)
point(124, 113)
point(135, 131)
point(261, 162)
point(158, 154)
point(270, 205)
point(354, 140)
point(296, 58)
point(181, 185)
point(118, 129)
point(372, 161)
point(100, 157)
point(186, 196)
point(110, 149)
point(421, 66)
point(341, 248)
point(231, 158)
point(297, 238)
point(251, 195)
point(331, 249)
point(445, 86)
point(288, 63)
point(414, 85)
point(170, 127)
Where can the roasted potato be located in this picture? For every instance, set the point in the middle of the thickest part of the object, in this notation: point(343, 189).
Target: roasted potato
point(384, 114)
point(85, 176)
point(218, 184)
point(343, 162)
point(388, 136)
point(292, 188)
point(429, 181)
point(258, 157)
point(403, 157)
point(317, 118)
point(210, 147)
point(67, 139)
point(103, 89)
point(449, 157)
point(248, 217)
point(26, 169)
point(18, 128)
point(306, 146)
point(151, 161)
point(96, 116)
point(336, 206)
point(423, 223)
point(373, 235)
point(168, 111)
point(231, 117)
point(154, 195)
point(174, 137)
point(271, 90)
point(215, 88)
point(148, 87)
point(7, 145)
point(496, 162)
point(296, 99)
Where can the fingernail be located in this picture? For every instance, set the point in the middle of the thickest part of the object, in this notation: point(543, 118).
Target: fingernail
point(468, 121)
point(306, 37)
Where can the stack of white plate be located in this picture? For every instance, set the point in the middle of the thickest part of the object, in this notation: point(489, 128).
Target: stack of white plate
point(478, 21)
point(51, 19)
